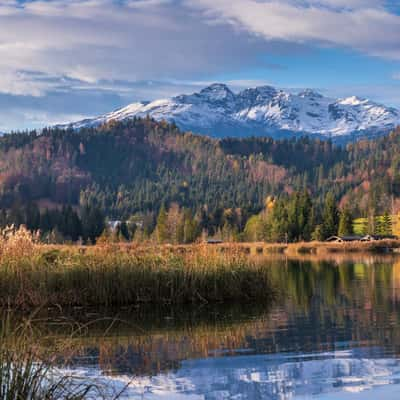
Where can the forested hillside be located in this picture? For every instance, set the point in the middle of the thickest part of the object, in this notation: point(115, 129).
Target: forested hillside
point(130, 169)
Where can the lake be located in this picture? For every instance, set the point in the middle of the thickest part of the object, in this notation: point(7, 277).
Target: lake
point(332, 333)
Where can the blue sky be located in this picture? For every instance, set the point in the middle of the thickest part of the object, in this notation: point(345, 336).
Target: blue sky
point(63, 60)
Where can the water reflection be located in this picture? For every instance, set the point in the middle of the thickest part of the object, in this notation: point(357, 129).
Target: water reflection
point(334, 332)
point(271, 377)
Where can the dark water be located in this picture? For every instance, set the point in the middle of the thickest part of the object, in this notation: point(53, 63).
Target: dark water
point(333, 333)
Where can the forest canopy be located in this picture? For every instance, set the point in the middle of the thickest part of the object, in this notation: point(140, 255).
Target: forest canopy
point(130, 170)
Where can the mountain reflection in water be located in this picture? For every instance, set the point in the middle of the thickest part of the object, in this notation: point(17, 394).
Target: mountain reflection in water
point(334, 333)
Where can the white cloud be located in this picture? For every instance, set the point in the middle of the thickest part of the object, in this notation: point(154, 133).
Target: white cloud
point(16, 82)
point(340, 4)
point(365, 26)
point(114, 48)
point(92, 40)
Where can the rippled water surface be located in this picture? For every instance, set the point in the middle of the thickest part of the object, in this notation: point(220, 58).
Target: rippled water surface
point(333, 333)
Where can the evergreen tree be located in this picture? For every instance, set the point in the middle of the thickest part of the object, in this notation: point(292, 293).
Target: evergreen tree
point(330, 216)
point(318, 233)
point(161, 227)
point(191, 228)
point(122, 231)
point(306, 218)
point(345, 223)
point(378, 226)
point(45, 221)
point(278, 229)
point(93, 222)
point(180, 231)
point(387, 229)
point(175, 223)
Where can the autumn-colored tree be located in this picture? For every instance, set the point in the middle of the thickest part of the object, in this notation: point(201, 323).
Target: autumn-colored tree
point(161, 227)
point(396, 225)
point(254, 230)
point(175, 223)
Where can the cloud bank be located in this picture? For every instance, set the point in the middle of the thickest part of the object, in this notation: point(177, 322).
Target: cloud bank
point(114, 49)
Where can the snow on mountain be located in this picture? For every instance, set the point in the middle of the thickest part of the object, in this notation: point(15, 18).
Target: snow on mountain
point(219, 112)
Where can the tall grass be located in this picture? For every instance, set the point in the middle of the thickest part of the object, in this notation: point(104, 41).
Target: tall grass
point(28, 371)
point(32, 275)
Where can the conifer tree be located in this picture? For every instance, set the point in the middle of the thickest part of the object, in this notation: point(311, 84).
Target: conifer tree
point(345, 223)
point(180, 231)
point(191, 228)
point(122, 231)
point(387, 229)
point(161, 228)
point(318, 233)
point(330, 216)
point(93, 222)
point(379, 228)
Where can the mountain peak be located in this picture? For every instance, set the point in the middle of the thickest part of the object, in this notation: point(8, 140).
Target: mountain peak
point(310, 93)
point(262, 91)
point(217, 91)
point(353, 100)
point(264, 111)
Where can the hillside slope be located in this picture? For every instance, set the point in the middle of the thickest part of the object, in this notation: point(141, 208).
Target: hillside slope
point(139, 164)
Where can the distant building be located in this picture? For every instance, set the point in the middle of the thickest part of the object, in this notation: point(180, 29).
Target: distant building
point(113, 225)
point(342, 239)
point(214, 241)
point(371, 238)
point(366, 238)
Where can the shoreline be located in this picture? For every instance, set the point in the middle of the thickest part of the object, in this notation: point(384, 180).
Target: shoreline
point(260, 248)
point(123, 274)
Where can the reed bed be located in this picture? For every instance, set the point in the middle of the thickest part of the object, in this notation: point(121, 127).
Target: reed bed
point(324, 248)
point(33, 275)
point(31, 371)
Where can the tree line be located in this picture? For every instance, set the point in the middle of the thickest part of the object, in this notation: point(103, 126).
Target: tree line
point(84, 225)
point(130, 171)
point(288, 218)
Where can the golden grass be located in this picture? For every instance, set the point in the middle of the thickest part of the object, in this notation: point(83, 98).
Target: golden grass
point(32, 371)
point(33, 275)
point(347, 247)
point(320, 248)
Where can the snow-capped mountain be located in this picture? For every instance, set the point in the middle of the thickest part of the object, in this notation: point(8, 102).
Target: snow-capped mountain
point(219, 112)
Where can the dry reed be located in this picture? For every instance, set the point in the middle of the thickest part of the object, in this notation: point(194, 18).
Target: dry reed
point(31, 371)
point(33, 275)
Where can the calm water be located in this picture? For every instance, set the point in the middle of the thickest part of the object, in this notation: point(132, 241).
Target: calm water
point(334, 333)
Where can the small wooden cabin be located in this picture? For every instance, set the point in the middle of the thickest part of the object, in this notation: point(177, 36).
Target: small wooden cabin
point(343, 239)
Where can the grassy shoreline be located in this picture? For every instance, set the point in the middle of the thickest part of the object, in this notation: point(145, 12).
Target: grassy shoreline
point(34, 275)
point(317, 248)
